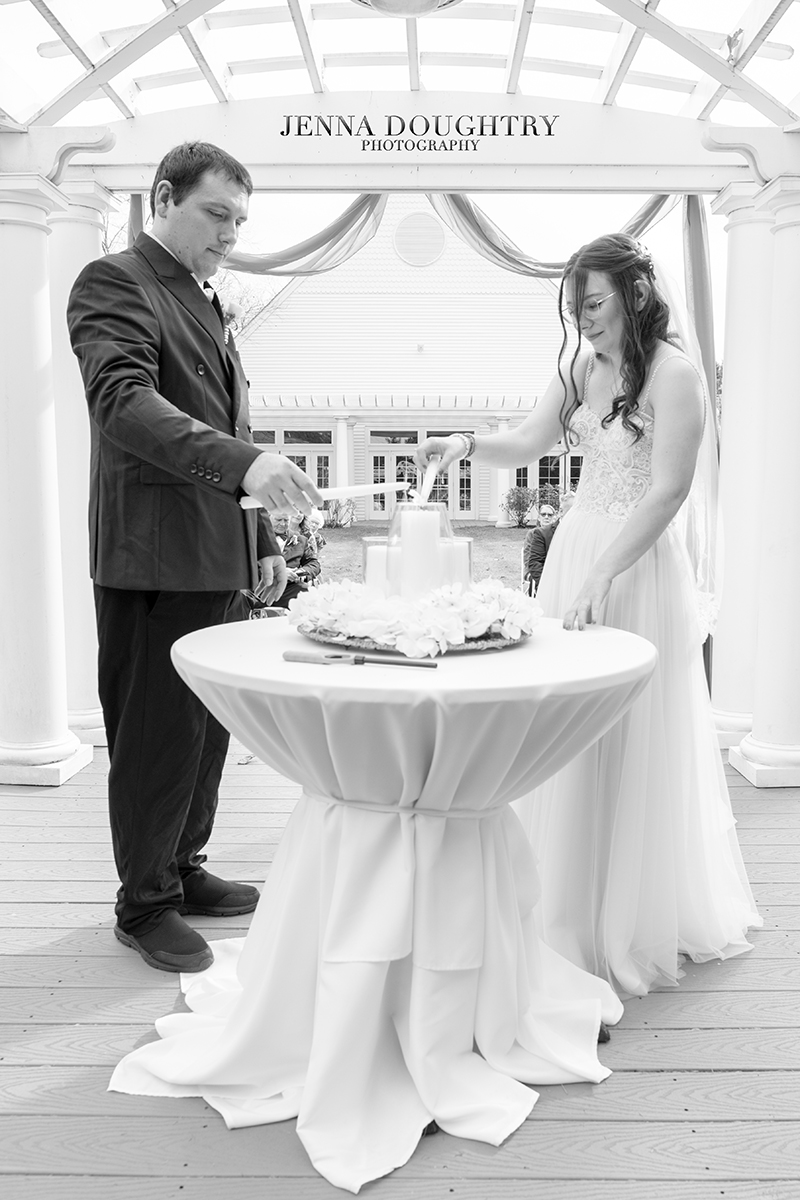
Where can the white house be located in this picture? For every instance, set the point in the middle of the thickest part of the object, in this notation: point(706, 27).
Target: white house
point(417, 334)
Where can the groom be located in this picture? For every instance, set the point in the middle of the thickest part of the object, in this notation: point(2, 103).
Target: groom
point(171, 548)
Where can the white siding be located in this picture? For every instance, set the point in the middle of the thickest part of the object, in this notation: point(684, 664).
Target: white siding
point(379, 327)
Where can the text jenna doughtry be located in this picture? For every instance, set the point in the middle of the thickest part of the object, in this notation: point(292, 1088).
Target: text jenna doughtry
point(439, 132)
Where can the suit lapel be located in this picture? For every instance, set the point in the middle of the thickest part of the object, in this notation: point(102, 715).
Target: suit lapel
point(174, 276)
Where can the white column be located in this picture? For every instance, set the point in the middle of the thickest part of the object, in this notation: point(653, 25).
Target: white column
point(36, 744)
point(76, 239)
point(746, 417)
point(341, 451)
point(503, 482)
point(770, 755)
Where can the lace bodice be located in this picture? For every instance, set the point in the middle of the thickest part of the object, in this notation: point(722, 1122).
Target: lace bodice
point(616, 469)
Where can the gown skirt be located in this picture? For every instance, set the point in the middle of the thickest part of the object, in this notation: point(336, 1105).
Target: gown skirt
point(635, 839)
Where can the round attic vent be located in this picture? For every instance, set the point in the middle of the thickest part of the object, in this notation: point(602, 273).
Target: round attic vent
point(419, 239)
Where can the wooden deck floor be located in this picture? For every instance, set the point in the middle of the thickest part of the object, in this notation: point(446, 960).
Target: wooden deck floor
point(704, 1100)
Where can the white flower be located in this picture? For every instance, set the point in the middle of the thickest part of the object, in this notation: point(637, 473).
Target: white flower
point(421, 628)
point(232, 312)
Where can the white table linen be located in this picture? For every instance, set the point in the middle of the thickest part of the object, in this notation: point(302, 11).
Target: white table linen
point(392, 974)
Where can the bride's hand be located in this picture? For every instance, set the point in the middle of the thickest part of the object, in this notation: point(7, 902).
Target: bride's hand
point(447, 449)
point(585, 609)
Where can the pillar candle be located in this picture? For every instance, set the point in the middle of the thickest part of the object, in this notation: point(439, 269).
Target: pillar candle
point(419, 545)
point(375, 567)
point(393, 579)
point(462, 561)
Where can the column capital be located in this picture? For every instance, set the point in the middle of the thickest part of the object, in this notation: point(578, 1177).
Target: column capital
point(32, 190)
point(781, 196)
point(738, 201)
point(87, 203)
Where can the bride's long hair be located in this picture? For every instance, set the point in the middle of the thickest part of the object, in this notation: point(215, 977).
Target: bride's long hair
point(626, 263)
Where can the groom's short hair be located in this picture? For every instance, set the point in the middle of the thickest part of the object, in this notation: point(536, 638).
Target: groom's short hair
point(185, 165)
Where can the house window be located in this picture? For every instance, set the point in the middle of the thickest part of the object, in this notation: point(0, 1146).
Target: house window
point(298, 459)
point(465, 485)
point(307, 437)
point(393, 437)
point(379, 476)
point(323, 470)
point(265, 436)
point(549, 473)
point(575, 464)
point(443, 433)
point(522, 477)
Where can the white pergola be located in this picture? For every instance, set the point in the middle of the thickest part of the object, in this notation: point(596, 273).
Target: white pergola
point(573, 95)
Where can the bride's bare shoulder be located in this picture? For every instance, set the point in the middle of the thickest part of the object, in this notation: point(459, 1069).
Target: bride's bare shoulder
point(573, 372)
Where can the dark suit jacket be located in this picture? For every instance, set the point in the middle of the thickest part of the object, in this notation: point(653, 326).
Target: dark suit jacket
point(170, 429)
point(537, 543)
point(300, 555)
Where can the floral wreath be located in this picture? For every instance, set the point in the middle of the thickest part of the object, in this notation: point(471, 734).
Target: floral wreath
point(440, 620)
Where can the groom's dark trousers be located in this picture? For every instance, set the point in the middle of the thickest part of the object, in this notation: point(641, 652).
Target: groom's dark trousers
point(167, 751)
point(170, 549)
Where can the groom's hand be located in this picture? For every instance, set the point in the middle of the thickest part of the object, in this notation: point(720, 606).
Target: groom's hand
point(280, 485)
point(274, 577)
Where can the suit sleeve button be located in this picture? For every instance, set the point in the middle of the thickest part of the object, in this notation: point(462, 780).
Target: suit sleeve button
point(193, 468)
point(201, 472)
point(216, 477)
point(201, 369)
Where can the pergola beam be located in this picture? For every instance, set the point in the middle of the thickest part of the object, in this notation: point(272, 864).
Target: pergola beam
point(755, 25)
point(121, 57)
point(519, 42)
point(412, 43)
point(429, 58)
point(300, 12)
point(193, 40)
point(77, 51)
point(628, 41)
point(706, 60)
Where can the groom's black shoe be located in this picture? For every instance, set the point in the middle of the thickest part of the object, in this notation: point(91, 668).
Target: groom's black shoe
point(206, 895)
point(171, 946)
point(604, 1035)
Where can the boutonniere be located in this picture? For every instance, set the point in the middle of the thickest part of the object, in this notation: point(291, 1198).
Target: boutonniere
point(232, 314)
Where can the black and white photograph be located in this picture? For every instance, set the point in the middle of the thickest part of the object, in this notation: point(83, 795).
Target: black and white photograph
point(399, 565)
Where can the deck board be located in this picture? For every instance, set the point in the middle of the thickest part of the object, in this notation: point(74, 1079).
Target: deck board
point(704, 1100)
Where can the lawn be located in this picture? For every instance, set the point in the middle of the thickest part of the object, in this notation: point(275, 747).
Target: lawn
point(496, 553)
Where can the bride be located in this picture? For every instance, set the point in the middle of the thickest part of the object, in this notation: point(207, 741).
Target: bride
point(637, 852)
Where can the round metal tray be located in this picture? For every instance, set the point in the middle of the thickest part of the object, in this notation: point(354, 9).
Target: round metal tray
point(493, 642)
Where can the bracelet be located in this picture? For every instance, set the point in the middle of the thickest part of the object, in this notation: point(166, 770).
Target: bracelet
point(469, 443)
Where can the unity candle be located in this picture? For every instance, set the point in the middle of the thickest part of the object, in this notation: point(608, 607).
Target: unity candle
point(415, 558)
point(419, 555)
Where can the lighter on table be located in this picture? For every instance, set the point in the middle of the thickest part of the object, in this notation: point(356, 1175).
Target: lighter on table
point(329, 658)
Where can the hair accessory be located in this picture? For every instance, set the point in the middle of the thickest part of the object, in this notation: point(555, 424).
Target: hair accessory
point(647, 259)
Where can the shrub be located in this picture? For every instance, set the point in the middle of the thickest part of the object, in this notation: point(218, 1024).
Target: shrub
point(339, 513)
point(518, 502)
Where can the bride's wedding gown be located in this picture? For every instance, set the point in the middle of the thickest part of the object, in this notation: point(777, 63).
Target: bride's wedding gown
point(635, 839)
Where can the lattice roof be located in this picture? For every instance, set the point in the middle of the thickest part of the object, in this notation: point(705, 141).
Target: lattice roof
point(86, 62)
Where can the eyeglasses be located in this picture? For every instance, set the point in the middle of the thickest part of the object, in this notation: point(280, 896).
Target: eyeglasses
point(589, 309)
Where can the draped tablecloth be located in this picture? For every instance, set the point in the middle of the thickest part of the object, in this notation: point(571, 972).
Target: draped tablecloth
point(392, 974)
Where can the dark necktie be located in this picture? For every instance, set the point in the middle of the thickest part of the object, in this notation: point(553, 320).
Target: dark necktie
point(214, 298)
